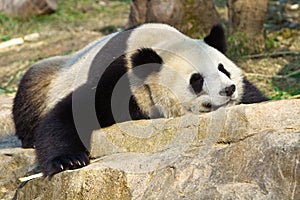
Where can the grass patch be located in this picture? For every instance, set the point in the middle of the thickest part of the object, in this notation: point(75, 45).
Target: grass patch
point(5, 38)
point(8, 86)
point(239, 45)
point(69, 15)
point(4, 90)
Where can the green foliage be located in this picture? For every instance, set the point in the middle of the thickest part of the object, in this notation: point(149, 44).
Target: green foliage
point(8, 87)
point(125, 1)
point(220, 3)
point(4, 90)
point(7, 25)
point(279, 94)
point(239, 45)
point(270, 43)
point(5, 38)
point(108, 29)
point(287, 86)
point(68, 52)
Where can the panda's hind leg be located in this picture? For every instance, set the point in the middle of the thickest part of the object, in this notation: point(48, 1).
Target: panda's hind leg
point(58, 146)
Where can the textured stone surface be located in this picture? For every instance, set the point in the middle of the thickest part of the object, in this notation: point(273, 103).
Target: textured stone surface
point(14, 163)
point(93, 182)
point(263, 166)
point(6, 123)
point(226, 125)
point(243, 152)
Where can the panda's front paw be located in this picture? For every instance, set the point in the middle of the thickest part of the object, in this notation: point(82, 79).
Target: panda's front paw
point(65, 162)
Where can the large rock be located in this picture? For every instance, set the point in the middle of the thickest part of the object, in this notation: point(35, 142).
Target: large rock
point(14, 163)
point(243, 152)
point(224, 126)
point(27, 8)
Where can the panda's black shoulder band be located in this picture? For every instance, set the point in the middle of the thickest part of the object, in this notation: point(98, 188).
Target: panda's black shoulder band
point(145, 61)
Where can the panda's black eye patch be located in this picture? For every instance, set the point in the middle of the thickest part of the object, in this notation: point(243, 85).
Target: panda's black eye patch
point(223, 70)
point(196, 82)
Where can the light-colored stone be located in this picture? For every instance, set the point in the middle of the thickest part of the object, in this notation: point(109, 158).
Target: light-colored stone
point(263, 166)
point(31, 37)
point(226, 125)
point(6, 122)
point(242, 152)
point(93, 182)
point(12, 42)
point(15, 162)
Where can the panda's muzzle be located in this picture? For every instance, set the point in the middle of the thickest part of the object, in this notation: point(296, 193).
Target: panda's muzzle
point(228, 91)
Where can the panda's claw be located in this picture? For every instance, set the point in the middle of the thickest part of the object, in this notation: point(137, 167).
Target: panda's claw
point(65, 162)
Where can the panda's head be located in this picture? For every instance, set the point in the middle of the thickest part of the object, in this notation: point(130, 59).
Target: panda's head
point(183, 74)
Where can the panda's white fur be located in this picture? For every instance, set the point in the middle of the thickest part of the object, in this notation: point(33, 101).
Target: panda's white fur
point(185, 76)
point(74, 72)
point(182, 57)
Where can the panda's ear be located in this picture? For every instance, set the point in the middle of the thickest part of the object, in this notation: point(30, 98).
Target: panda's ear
point(216, 38)
point(145, 61)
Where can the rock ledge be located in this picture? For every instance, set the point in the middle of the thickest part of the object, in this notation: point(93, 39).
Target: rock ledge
point(242, 152)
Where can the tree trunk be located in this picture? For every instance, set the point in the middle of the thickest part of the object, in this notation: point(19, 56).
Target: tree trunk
point(192, 17)
point(27, 8)
point(247, 16)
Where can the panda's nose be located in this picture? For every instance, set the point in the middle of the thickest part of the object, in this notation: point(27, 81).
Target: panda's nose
point(228, 91)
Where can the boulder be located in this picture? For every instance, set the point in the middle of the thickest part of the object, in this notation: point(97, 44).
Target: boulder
point(223, 126)
point(241, 152)
point(27, 8)
point(14, 163)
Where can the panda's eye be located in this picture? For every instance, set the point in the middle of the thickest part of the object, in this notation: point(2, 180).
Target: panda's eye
point(223, 70)
point(196, 82)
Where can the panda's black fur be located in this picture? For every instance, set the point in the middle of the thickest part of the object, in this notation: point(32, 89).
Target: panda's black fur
point(51, 129)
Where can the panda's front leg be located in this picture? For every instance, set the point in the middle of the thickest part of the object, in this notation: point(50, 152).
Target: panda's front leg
point(58, 146)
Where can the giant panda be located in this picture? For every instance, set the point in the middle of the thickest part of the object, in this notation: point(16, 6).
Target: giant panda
point(145, 72)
